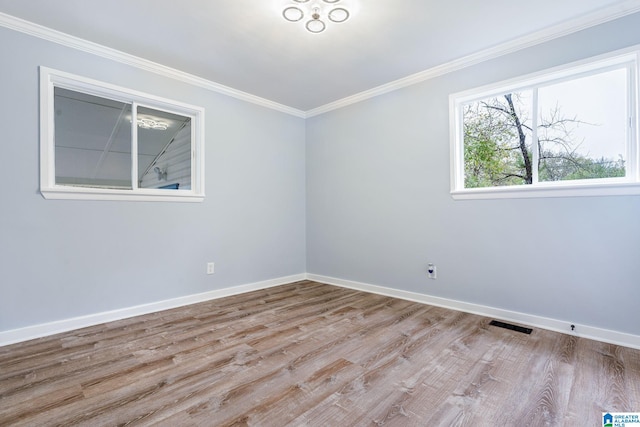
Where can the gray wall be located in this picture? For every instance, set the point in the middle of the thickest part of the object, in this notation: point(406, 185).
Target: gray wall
point(61, 259)
point(379, 209)
point(377, 205)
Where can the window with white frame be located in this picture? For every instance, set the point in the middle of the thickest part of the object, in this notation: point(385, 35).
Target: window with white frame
point(104, 142)
point(569, 131)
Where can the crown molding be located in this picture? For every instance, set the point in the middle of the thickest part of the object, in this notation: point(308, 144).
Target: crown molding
point(73, 42)
point(601, 16)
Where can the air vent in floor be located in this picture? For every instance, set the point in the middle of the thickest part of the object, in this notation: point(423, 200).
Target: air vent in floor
point(510, 326)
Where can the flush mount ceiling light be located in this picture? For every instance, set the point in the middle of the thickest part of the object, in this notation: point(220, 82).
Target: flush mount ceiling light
point(152, 124)
point(316, 12)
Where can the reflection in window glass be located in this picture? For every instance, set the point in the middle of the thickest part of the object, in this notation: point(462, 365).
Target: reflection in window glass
point(92, 141)
point(164, 150)
point(93, 144)
point(104, 142)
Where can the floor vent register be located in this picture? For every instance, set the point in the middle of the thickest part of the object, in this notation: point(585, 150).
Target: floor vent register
point(511, 327)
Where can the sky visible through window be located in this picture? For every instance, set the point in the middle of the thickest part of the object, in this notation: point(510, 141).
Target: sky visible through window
point(599, 104)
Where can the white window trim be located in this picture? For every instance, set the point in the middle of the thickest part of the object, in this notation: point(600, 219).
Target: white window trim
point(629, 185)
point(50, 78)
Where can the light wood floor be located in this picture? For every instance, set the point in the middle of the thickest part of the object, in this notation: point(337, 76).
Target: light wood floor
point(308, 354)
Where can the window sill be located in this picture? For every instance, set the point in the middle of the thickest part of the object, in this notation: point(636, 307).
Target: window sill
point(550, 190)
point(66, 193)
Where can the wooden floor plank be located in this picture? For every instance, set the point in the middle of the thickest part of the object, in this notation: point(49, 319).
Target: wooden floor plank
point(308, 354)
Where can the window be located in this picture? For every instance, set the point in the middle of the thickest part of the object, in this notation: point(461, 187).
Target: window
point(565, 132)
point(100, 141)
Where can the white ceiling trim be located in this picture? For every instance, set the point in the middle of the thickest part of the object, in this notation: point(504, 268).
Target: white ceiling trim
point(600, 17)
point(604, 15)
point(64, 39)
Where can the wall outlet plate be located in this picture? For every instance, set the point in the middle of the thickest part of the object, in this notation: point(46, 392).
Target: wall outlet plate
point(431, 271)
point(210, 268)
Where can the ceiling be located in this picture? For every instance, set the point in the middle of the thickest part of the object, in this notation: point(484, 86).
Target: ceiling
point(246, 45)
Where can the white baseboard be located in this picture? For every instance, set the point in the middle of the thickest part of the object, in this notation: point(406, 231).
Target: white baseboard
point(584, 331)
point(51, 328)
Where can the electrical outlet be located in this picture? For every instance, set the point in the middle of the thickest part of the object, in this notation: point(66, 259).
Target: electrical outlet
point(432, 271)
point(210, 268)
